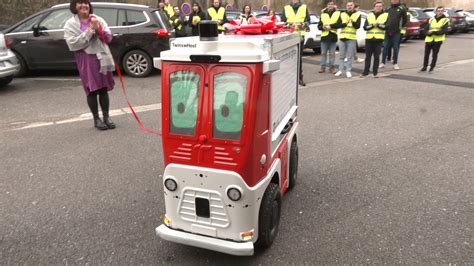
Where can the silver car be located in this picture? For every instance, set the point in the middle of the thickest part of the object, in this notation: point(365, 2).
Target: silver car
point(9, 64)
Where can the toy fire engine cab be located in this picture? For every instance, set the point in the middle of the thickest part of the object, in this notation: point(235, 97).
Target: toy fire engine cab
point(229, 123)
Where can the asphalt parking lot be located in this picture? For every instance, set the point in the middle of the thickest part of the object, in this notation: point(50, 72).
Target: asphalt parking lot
point(386, 172)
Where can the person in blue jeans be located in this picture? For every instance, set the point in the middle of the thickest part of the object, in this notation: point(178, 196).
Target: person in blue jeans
point(328, 24)
point(348, 38)
point(397, 19)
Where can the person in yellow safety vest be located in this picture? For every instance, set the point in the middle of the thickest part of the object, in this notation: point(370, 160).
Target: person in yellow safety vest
point(435, 36)
point(375, 35)
point(348, 38)
point(246, 17)
point(296, 15)
point(217, 13)
point(178, 21)
point(169, 8)
point(328, 24)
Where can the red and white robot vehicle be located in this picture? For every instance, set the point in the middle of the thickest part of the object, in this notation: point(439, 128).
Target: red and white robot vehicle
point(229, 122)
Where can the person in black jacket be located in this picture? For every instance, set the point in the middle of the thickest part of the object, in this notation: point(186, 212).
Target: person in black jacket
point(436, 32)
point(397, 19)
point(195, 18)
point(373, 44)
point(178, 21)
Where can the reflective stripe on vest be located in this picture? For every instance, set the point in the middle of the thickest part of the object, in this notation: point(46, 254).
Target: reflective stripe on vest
point(299, 17)
point(219, 15)
point(376, 33)
point(328, 21)
point(436, 26)
point(349, 32)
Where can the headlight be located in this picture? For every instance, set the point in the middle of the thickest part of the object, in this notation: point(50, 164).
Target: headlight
point(234, 194)
point(170, 184)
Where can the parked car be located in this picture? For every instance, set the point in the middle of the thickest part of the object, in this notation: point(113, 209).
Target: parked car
point(430, 12)
point(469, 19)
point(9, 65)
point(413, 29)
point(458, 19)
point(139, 34)
point(233, 14)
point(422, 17)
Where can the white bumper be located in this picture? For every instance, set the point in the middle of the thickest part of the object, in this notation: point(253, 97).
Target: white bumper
point(224, 246)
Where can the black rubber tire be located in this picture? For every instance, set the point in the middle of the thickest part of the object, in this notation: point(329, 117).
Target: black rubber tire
point(5, 81)
point(137, 64)
point(23, 67)
point(293, 174)
point(269, 216)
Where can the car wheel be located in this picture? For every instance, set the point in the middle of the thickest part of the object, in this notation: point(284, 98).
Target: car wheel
point(293, 164)
point(23, 67)
point(5, 81)
point(269, 216)
point(137, 64)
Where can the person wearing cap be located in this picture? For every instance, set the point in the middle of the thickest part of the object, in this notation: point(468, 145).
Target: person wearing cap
point(348, 38)
point(375, 27)
point(435, 36)
point(328, 24)
point(217, 13)
point(296, 15)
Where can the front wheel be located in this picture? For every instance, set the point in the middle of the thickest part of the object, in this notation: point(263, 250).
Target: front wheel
point(137, 64)
point(5, 81)
point(269, 216)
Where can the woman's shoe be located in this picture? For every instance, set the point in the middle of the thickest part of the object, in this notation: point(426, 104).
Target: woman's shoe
point(99, 124)
point(108, 122)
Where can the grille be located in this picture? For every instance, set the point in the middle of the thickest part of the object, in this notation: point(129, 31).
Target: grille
point(217, 213)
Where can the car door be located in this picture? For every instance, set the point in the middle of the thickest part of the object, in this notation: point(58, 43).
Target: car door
point(48, 49)
point(117, 22)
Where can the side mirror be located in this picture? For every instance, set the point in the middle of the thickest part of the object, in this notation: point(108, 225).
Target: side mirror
point(36, 30)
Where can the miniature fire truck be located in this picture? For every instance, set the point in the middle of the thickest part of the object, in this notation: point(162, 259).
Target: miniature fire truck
point(229, 125)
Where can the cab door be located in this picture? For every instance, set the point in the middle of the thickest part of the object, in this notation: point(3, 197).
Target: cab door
point(182, 101)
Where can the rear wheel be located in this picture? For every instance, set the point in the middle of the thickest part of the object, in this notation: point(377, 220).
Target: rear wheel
point(5, 81)
point(137, 64)
point(23, 67)
point(293, 164)
point(269, 216)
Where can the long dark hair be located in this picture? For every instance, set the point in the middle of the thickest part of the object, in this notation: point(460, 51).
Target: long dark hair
point(198, 5)
point(72, 6)
point(250, 11)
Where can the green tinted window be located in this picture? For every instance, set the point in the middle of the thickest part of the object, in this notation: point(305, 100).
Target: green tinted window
point(229, 98)
point(184, 94)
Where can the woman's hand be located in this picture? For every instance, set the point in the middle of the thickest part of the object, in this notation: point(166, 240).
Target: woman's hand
point(94, 23)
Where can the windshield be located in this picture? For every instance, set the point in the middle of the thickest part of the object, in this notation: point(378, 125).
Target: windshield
point(184, 94)
point(229, 97)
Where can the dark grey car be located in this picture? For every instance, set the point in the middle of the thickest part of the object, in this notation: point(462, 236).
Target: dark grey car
point(139, 34)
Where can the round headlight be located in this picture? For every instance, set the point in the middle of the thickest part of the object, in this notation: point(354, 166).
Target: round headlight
point(170, 184)
point(234, 194)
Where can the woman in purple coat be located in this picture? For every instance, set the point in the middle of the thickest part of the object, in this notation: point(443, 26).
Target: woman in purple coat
point(88, 37)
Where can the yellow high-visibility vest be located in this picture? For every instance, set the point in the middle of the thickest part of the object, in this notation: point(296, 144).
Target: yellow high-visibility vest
point(327, 20)
point(299, 17)
point(169, 10)
point(215, 16)
point(349, 32)
point(375, 32)
point(436, 26)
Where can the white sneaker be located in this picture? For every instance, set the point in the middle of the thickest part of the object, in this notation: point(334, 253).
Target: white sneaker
point(345, 59)
point(396, 67)
point(382, 65)
point(348, 74)
point(360, 60)
point(338, 73)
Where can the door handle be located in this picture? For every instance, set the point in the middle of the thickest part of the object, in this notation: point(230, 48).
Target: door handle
point(117, 35)
point(23, 42)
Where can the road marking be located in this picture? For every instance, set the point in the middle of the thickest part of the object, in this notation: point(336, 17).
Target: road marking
point(84, 117)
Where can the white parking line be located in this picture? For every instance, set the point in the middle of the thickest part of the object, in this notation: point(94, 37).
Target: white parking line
point(84, 117)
